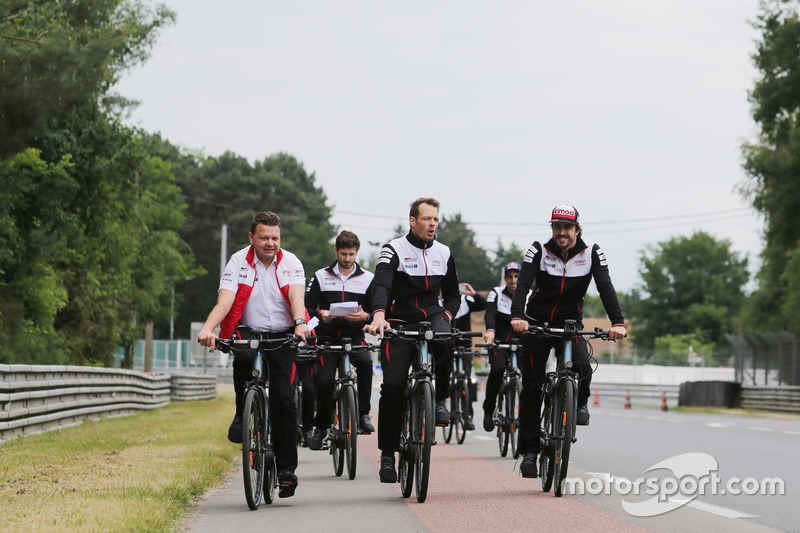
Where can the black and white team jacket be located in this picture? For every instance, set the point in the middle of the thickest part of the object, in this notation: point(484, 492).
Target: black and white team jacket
point(409, 276)
point(560, 285)
point(327, 287)
point(498, 314)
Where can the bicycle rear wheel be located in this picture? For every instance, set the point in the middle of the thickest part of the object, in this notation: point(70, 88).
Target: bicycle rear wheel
point(337, 446)
point(462, 411)
point(565, 422)
point(513, 415)
point(350, 428)
point(253, 447)
point(423, 438)
point(502, 417)
point(546, 461)
point(406, 459)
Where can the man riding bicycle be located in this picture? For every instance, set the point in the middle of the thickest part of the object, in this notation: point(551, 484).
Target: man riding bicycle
point(411, 272)
point(560, 270)
point(342, 282)
point(262, 289)
point(498, 328)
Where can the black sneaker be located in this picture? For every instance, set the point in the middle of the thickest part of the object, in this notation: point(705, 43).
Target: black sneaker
point(365, 425)
point(306, 438)
point(287, 483)
point(488, 422)
point(528, 465)
point(442, 415)
point(468, 424)
point(235, 430)
point(583, 416)
point(387, 472)
point(315, 441)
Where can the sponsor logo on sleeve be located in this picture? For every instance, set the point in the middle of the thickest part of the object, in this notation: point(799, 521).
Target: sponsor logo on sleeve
point(602, 256)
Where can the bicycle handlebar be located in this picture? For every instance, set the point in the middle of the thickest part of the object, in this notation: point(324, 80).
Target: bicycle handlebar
point(429, 334)
point(226, 345)
point(567, 332)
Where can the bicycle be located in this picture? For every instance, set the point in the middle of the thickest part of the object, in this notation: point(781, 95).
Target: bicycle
point(418, 431)
point(506, 412)
point(258, 458)
point(342, 437)
point(560, 395)
point(459, 398)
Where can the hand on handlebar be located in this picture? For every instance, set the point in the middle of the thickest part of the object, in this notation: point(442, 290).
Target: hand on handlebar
point(617, 332)
point(519, 325)
point(207, 338)
point(378, 325)
point(489, 337)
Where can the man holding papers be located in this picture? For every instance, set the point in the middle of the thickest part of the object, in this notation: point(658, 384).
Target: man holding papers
point(340, 295)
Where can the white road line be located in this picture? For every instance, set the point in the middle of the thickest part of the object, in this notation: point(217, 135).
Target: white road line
point(484, 437)
point(718, 424)
point(755, 428)
point(792, 432)
point(721, 511)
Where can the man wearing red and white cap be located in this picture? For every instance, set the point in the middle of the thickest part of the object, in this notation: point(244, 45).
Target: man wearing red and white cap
point(559, 271)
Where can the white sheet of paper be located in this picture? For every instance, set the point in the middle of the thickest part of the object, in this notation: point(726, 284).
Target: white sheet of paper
point(343, 308)
point(314, 322)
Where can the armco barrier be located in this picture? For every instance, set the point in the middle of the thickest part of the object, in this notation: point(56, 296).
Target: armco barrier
point(39, 398)
point(193, 387)
point(784, 399)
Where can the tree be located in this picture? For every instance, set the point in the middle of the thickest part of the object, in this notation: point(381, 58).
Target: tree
point(690, 285)
point(773, 164)
point(90, 218)
point(56, 55)
point(472, 263)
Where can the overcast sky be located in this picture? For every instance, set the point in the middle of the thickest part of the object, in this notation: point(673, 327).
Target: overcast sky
point(633, 111)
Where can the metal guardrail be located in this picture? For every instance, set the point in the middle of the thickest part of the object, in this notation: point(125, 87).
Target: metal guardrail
point(193, 387)
point(783, 399)
point(39, 398)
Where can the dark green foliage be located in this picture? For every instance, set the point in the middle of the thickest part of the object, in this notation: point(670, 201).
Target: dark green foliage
point(773, 164)
point(472, 262)
point(691, 285)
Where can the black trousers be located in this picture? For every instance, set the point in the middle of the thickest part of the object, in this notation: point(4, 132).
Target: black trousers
point(497, 367)
point(283, 411)
point(396, 357)
point(325, 378)
point(532, 364)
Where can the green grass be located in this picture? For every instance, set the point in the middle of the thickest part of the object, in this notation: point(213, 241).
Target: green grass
point(138, 473)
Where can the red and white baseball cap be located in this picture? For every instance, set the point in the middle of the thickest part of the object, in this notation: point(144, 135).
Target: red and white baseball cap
point(566, 214)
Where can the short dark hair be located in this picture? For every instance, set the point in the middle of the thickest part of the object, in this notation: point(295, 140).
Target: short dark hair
point(268, 218)
point(414, 212)
point(347, 239)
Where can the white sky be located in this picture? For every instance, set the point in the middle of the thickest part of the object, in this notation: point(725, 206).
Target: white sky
point(633, 111)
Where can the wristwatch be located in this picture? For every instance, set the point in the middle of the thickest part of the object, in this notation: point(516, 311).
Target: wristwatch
point(298, 321)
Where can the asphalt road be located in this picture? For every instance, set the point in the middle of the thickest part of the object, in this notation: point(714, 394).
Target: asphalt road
point(473, 489)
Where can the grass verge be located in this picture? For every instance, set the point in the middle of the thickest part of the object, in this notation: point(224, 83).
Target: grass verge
point(139, 473)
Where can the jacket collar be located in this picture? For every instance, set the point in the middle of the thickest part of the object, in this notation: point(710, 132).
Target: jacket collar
point(553, 248)
point(356, 272)
point(417, 242)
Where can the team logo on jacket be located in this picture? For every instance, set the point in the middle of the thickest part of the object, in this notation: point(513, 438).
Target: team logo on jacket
point(436, 263)
point(602, 256)
point(410, 262)
point(549, 262)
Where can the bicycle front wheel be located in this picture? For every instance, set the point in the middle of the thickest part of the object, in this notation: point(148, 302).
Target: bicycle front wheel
point(565, 422)
point(253, 447)
point(502, 418)
point(513, 415)
point(337, 444)
point(406, 459)
point(546, 461)
point(462, 411)
point(350, 428)
point(423, 438)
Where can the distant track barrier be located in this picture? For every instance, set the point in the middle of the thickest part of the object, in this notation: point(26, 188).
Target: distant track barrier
point(40, 398)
